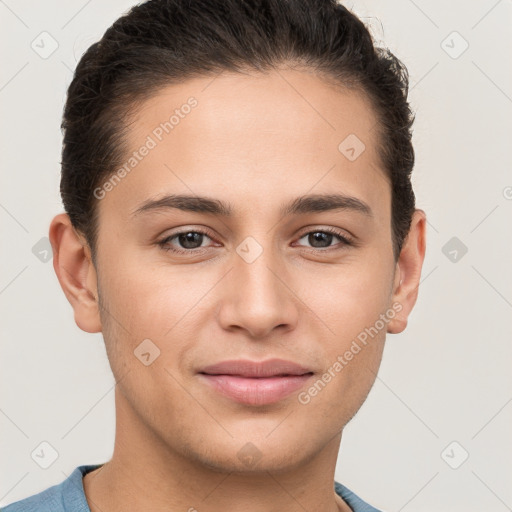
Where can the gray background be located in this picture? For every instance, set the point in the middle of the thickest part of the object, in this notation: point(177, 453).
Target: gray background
point(446, 379)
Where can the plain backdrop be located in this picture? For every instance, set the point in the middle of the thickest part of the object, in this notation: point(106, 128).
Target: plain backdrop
point(435, 432)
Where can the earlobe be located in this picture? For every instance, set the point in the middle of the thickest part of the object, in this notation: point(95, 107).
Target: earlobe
point(408, 273)
point(76, 273)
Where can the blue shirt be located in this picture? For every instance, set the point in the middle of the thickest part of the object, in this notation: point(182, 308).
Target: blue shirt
point(69, 496)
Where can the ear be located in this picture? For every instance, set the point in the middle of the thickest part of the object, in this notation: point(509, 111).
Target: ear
point(408, 272)
point(73, 265)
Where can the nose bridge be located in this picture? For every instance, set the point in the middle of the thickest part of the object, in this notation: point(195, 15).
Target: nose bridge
point(257, 300)
point(258, 284)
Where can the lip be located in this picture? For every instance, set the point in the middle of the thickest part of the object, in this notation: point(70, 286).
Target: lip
point(256, 383)
point(247, 368)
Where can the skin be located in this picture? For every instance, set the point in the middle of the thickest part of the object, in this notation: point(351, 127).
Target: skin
point(254, 141)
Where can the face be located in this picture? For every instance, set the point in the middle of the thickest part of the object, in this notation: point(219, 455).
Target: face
point(246, 275)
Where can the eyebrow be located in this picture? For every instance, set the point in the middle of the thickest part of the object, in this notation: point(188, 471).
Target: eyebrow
point(299, 206)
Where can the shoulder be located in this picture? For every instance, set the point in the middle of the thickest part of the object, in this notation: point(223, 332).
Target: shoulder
point(64, 497)
point(352, 500)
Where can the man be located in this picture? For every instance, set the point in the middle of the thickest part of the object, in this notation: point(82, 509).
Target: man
point(240, 225)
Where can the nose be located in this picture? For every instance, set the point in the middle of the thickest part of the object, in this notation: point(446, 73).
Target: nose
point(257, 298)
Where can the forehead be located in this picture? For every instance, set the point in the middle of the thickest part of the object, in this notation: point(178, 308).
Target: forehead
point(253, 137)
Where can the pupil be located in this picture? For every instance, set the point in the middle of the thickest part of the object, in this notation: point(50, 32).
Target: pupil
point(189, 239)
point(320, 237)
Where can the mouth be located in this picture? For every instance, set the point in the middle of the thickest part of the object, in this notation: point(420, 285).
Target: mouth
point(256, 383)
point(256, 390)
point(248, 368)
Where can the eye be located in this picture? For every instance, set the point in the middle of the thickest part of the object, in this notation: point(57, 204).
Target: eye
point(190, 241)
point(184, 241)
point(322, 238)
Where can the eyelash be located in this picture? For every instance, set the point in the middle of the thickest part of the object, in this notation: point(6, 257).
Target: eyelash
point(164, 244)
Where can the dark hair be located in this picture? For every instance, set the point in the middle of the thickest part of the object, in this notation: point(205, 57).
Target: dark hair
point(161, 42)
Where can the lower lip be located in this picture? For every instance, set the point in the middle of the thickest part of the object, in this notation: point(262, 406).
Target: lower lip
point(256, 391)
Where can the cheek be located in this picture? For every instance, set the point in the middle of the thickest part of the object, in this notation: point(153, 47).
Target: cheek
point(149, 300)
point(346, 299)
point(350, 304)
point(156, 303)
point(347, 378)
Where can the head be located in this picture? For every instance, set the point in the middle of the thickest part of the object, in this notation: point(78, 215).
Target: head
point(289, 133)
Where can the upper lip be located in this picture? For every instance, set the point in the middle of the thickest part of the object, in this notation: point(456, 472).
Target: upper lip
point(247, 368)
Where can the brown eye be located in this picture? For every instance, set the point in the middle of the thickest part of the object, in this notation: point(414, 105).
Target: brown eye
point(322, 239)
point(190, 240)
point(184, 241)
